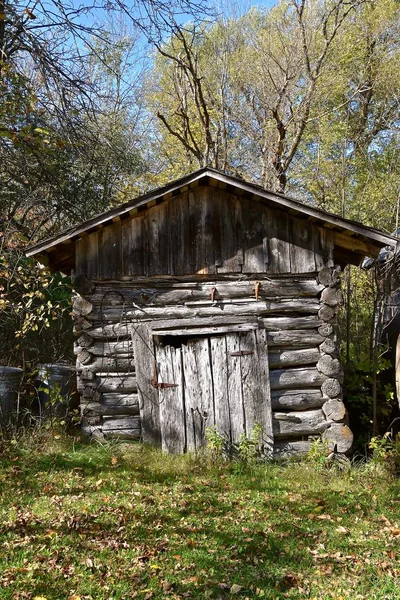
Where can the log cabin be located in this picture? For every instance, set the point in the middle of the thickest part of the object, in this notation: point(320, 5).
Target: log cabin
point(211, 303)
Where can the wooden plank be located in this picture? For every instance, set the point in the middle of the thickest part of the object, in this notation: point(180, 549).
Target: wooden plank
point(279, 245)
point(358, 245)
point(324, 248)
point(81, 256)
point(171, 399)
point(109, 249)
point(193, 331)
point(256, 387)
point(199, 395)
point(253, 242)
point(133, 259)
point(148, 396)
point(158, 239)
point(113, 422)
point(235, 395)
point(296, 378)
point(231, 252)
point(220, 384)
point(302, 258)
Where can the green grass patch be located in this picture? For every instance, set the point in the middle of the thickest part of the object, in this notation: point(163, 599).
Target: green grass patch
point(120, 522)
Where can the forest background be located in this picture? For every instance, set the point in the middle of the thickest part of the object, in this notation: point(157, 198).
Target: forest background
point(102, 101)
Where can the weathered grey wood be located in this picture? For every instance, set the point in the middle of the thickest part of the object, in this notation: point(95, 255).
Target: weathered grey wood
point(80, 325)
point(323, 248)
point(235, 392)
point(290, 448)
point(254, 238)
point(110, 252)
point(256, 390)
point(329, 277)
point(171, 399)
point(110, 364)
point(85, 340)
point(302, 258)
point(202, 331)
point(148, 396)
point(123, 434)
point(308, 422)
point(119, 399)
point(121, 331)
point(86, 374)
point(132, 247)
point(329, 366)
point(296, 378)
point(113, 422)
point(325, 329)
point(297, 399)
point(278, 242)
point(261, 307)
point(179, 293)
point(340, 436)
point(81, 306)
point(231, 251)
point(291, 358)
point(199, 396)
point(332, 296)
point(334, 410)
point(83, 355)
point(331, 388)
point(122, 349)
point(158, 238)
point(98, 408)
point(106, 332)
point(329, 347)
point(294, 339)
point(220, 384)
point(326, 313)
point(120, 383)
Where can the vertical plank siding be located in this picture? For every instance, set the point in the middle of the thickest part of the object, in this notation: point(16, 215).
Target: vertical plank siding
point(205, 231)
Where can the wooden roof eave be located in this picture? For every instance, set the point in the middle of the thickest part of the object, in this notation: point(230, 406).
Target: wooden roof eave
point(368, 240)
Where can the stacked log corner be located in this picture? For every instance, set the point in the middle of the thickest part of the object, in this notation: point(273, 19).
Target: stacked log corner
point(106, 379)
point(297, 311)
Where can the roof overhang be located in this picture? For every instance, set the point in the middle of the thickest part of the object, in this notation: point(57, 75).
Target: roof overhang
point(352, 239)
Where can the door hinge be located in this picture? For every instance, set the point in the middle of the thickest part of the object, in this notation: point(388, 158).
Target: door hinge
point(242, 353)
point(160, 385)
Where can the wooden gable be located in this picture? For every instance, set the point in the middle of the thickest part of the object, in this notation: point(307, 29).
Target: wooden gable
point(204, 231)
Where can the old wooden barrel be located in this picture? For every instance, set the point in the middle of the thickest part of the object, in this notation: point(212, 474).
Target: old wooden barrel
point(56, 386)
point(10, 382)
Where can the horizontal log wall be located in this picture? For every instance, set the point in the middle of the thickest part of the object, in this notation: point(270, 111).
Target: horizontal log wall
point(298, 313)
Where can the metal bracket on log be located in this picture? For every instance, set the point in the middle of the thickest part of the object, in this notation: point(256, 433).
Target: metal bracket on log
point(257, 286)
point(212, 293)
point(242, 353)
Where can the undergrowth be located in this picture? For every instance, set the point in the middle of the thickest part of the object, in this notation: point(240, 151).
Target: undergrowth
point(118, 521)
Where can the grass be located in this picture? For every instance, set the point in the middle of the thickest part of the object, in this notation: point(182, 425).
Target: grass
point(119, 522)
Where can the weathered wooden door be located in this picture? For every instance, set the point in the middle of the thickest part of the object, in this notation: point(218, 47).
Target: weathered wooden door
point(217, 381)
